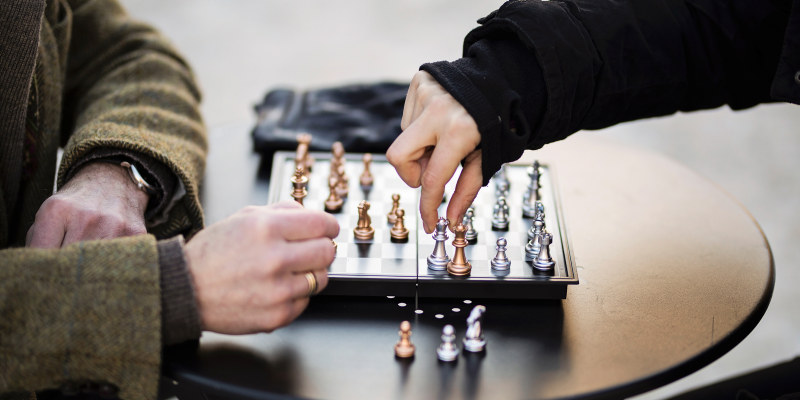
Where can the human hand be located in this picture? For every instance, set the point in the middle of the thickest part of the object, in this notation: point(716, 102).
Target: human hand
point(99, 202)
point(438, 133)
point(249, 269)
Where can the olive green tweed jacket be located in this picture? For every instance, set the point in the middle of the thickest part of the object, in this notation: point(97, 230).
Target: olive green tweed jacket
point(81, 74)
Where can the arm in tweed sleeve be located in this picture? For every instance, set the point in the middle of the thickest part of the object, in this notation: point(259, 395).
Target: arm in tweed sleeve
point(68, 317)
point(128, 89)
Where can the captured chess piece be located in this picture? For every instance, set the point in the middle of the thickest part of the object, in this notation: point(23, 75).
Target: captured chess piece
point(500, 262)
point(543, 261)
point(447, 350)
point(404, 348)
point(299, 183)
point(459, 266)
point(500, 215)
point(366, 179)
point(473, 339)
point(395, 205)
point(471, 234)
point(364, 229)
point(399, 232)
point(438, 259)
point(334, 203)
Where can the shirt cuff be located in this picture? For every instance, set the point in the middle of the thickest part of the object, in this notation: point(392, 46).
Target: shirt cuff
point(180, 318)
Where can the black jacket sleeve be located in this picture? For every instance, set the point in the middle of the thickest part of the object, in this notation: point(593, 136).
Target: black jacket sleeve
point(535, 72)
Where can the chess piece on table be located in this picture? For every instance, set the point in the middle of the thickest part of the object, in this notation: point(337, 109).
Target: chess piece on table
point(390, 217)
point(471, 234)
point(343, 185)
point(438, 259)
point(543, 261)
point(500, 215)
point(404, 348)
point(537, 226)
point(533, 246)
point(299, 183)
point(459, 266)
point(334, 203)
point(399, 232)
point(366, 178)
point(473, 339)
point(532, 193)
point(500, 262)
point(364, 229)
point(447, 350)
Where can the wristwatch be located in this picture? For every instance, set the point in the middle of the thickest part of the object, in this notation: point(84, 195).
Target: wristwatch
point(137, 179)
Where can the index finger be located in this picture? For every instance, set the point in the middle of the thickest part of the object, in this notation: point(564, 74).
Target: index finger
point(302, 224)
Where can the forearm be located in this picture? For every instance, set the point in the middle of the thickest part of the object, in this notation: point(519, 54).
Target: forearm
point(600, 63)
point(89, 311)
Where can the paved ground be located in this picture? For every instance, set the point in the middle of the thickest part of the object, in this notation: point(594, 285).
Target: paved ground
point(242, 48)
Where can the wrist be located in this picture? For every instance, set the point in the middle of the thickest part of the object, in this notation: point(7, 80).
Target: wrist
point(111, 178)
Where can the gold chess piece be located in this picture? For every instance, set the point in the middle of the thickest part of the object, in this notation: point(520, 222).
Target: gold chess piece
point(399, 232)
point(302, 156)
point(366, 178)
point(299, 183)
point(334, 203)
point(395, 205)
point(364, 229)
point(404, 348)
point(459, 266)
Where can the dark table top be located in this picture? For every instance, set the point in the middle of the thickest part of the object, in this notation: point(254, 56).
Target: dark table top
point(673, 273)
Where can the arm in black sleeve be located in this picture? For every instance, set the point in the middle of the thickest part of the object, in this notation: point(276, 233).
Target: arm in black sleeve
point(536, 72)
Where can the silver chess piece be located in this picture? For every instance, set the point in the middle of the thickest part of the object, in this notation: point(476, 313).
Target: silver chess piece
point(534, 246)
point(500, 215)
point(537, 226)
point(438, 260)
point(447, 350)
point(500, 262)
point(473, 339)
point(532, 193)
point(471, 235)
point(543, 261)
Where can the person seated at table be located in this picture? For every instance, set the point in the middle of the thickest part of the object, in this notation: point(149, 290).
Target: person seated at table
point(106, 279)
point(535, 72)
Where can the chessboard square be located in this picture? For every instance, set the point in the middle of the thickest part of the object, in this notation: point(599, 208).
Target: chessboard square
point(399, 250)
point(339, 265)
point(363, 266)
point(399, 267)
point(514, 253)
point(476, 253)
point(363, 250)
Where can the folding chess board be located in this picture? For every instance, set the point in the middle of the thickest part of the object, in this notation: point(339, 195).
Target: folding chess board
point(380, 267)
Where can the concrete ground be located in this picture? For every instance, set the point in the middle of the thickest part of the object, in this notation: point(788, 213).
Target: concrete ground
point(242, 48)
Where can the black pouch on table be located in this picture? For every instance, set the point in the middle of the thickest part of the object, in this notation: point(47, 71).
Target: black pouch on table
point(364, 117)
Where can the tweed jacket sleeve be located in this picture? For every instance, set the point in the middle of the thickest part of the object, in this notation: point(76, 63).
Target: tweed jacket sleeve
point(127, 88)
point(535, 71)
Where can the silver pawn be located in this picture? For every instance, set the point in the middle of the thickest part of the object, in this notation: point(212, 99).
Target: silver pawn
point(500, 262)
point(438, 260)
point(537, 226)
point(471, 235)
point(500, 215)
point(448, 351)
point(543, 261)
point(473, 339)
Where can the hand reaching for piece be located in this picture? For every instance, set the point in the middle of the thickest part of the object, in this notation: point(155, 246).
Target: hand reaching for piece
point(99, 202)
point(249, 269)
point(438, 134)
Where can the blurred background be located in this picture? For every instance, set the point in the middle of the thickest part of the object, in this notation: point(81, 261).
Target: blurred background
point(241, 49)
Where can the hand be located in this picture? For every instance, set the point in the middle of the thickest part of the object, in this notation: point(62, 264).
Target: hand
point(438, 133)
point(249, 269)
point(99, 202)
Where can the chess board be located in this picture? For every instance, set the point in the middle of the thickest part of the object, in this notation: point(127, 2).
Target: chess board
point(380, 267)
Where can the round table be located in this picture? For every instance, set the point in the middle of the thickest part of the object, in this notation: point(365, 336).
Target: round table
point(673, 271)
